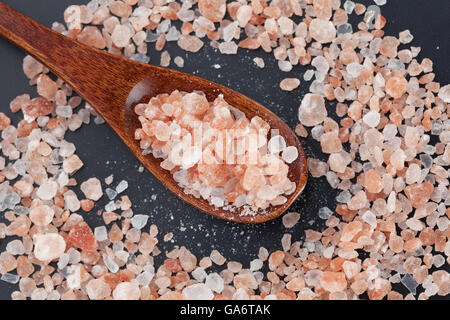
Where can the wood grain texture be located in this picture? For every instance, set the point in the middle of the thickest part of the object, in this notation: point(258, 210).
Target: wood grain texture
point(114, 85)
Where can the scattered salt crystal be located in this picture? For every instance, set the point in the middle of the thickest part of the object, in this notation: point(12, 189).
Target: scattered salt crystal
point(122, 186)
point(214, 282)
point(325, 213)
point(289, 84)
point(100, 233)
point(139, 221)
point(179, 61)
point(10, 278)
point(259, 62)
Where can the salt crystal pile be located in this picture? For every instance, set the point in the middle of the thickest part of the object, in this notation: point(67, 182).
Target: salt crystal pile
point(215, 169)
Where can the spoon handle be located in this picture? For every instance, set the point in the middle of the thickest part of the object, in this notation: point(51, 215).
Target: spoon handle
point(103, 79)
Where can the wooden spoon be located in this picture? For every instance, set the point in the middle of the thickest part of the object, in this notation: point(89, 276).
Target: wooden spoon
point(114, 85)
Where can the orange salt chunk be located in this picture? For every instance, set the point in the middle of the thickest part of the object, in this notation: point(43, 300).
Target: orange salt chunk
point(396, 86)
point(412, 245)
point(82, 237)
point(419, 194)
point(333, 281)
point(373, 182)
point(38, 107)
point(213, 10)
point(351, 230)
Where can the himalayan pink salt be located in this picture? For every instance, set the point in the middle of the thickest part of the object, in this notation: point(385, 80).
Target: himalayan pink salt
point(289, 84)
point(38, 107)
point(41, 215)
point(396, 86)
point(121, 36)
point(243, 15)
point(322, 31)
point(333, 281)
point(444, 93)
point(289, 154)
point(357, 202)
point(92, 37)
point(312, 110)
point(20, 226)
point(373, 182)
point(330, 142)
point(198, 291)
point(46, 87)
point(32, 67)
point(213, 10)
point(24, 267)
point(81, 236)
point(337, 163)
point(98, 289)
point(47, 190)
point(72, 164)
point(419, 194)
point(19, 102)
point(127, 291)
point(92, 189)
point(120, 9)
point(389, 47)
point(290, 219)
point(190, 43)
point(48, 246)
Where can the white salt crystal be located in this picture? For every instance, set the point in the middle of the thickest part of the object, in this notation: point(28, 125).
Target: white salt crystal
point(290, 154)
point(276, 144)
point(214, 282)
point(198, 291)
point(139, 221)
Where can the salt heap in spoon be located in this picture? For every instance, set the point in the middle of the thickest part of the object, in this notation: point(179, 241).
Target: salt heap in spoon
point(215, 152)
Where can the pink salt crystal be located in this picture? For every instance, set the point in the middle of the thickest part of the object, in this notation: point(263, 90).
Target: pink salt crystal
point(121, 36)
point(217, 257)
point(120, 9)
point(351, 230)
point(92, 189)
point(322, 31)
point(81, 236)
point(32, 67)
point(213, 10)
point(290, 154)
point(4, 121)
point(396, 86)
point(296, 284)
point(389, 47)
point(286, 25)
point(357, 202)
point(92, 37)
point(419, 194)
point(19, 102)
point(72, 164)
point(373, 182)
point(330, 142)
point(38, 107)
point(41, 215)
point(98, 289)
point(316, 167)
point(127, 291)
point(312, 110)
point(289, 84)
point(444, 93)
point(243, 15)
point(276, 259)
point(198, 291)
point(333, 281)
point(48, 246)
point(337, 163)
point(190, 43)
point(47, 190)
point(46, 87)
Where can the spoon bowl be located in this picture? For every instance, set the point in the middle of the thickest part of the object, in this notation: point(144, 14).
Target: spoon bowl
point(114, 85)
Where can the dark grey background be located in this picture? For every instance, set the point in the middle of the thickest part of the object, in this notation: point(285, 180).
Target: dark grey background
point(103, 153)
